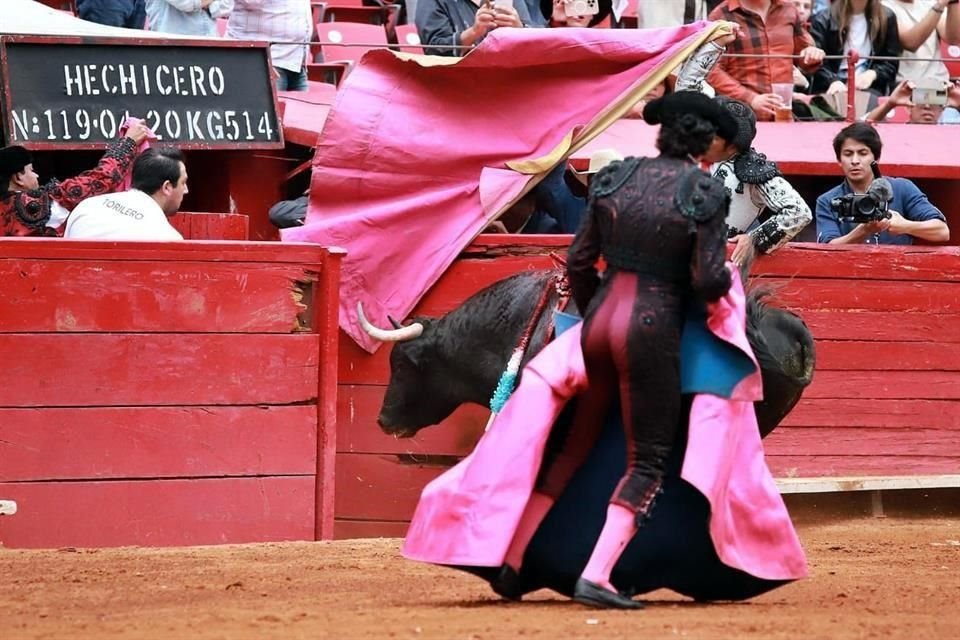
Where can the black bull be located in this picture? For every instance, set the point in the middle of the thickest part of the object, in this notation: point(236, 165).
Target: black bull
point(459, 358)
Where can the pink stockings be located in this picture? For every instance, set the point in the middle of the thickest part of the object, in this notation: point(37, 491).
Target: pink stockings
point(618, 530)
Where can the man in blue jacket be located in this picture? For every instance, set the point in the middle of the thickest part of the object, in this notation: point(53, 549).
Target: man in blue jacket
point(912, 215)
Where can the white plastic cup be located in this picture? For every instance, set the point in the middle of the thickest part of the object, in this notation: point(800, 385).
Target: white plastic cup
point(785, 92)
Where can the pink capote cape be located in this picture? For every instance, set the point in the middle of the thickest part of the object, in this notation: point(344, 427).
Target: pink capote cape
point(467, 516)
point(419, 153)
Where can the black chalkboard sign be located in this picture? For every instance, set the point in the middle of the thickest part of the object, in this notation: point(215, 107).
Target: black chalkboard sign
point(72, 94)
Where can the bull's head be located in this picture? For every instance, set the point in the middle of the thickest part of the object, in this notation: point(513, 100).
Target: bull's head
point(422, 390)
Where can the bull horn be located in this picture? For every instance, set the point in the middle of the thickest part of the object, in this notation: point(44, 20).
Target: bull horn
point(408, 332)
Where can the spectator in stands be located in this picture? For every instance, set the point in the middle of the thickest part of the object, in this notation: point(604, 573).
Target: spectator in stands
point(670, 13)
point(550, 207)
point(113, 13)
point(281, 21)
point(765, 211)
point(925, 110)
point(922, 25)
point(555, 12)
point(27, 209)
point(290, 213)
point(140, 213)
point(769, 27)
point(660, 90)
point(857, 147)
point(864, 26)
point(461, 23)
point(187, 17)
point(804, 10)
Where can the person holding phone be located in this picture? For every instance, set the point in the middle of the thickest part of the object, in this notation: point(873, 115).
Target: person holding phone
point(926, 104)
point(574, 13)
point(450, 27)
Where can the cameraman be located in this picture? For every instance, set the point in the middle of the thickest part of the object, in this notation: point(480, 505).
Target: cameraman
point(911, 214)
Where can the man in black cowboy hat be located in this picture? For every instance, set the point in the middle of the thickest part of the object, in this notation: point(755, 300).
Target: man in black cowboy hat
point(27, 209)
point(758, 191)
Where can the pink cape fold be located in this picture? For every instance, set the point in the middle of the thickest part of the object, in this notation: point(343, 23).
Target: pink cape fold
point(124, 127)
point(411, 163)
point(467, 516)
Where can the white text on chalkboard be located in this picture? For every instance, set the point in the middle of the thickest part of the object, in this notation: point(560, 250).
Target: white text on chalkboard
point(142, 79)
point(187, 125)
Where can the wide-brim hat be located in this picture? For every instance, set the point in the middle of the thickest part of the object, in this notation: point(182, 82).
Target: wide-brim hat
point(598, 160)
point(13, 159)
point(673, 105)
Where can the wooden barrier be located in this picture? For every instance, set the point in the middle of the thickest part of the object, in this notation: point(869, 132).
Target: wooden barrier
point(166, 393)
point(885, 400)
point(211, 226)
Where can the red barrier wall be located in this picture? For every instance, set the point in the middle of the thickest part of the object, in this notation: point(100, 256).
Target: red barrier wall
point(166, 393)
point(885, 398)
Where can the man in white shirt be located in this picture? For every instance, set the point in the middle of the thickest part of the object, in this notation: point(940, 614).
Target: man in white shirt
point(158, 186)
point(656, 14)
point(922, 25)
point(284, 22)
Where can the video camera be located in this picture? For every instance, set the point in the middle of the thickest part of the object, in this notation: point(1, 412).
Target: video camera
point(872, 206)
point(860, 207)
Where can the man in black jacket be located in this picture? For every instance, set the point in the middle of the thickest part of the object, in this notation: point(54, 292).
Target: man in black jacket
point(113, 13)
point(876, 76)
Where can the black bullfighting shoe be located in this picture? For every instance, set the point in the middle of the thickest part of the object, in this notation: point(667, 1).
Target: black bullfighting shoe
point(507, 584)
point(593, 595)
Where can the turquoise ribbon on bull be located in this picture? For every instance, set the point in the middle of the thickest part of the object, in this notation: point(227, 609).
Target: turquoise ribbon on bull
point(508, 379)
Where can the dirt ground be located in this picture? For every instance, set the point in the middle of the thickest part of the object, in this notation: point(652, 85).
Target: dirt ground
point(870, 578)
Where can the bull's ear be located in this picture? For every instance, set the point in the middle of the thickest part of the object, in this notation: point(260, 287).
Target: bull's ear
point(413, 351)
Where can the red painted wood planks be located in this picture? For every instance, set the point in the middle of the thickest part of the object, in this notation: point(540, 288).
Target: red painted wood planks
point(833, 355)
point(158, 512)
point(347, 529)
point(906, 385)
point(169, 296)
point(86, 370)
point(891, 326)
point(358, 432)
point(801, 466)
point(802, 294)
point(156, 442)
point(325, 320)
point(889, 442)
point(856, 412)
point(380, 487)
point(194, 225)
point(99, 251)
point(857, 263)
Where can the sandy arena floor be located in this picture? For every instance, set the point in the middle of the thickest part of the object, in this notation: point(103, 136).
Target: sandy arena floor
point(870, 578)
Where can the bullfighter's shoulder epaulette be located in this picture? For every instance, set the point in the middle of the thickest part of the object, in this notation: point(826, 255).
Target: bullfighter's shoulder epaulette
point(754, 168)
point(612, 177)
point(700, 196)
